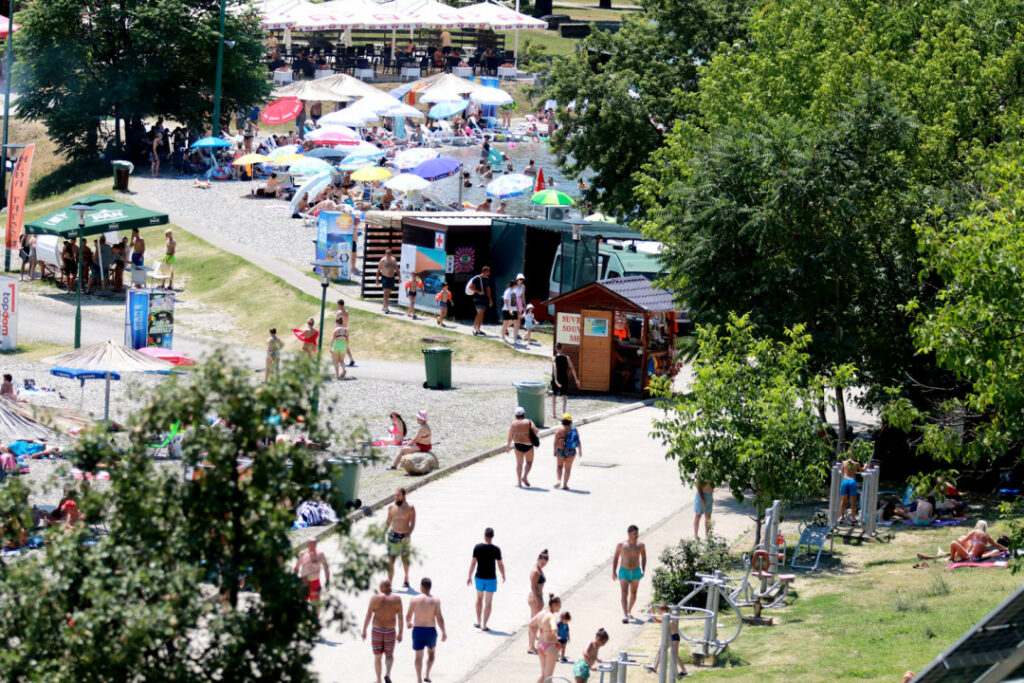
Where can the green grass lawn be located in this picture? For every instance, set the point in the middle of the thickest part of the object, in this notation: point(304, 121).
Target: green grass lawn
point(870, 620)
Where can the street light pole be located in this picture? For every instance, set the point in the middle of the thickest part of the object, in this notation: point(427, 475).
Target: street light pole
point(218, 77)
point(81, 210)
point(7, 111)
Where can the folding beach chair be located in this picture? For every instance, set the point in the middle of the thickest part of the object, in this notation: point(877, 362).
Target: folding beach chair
point(170, 447)
point(812, 538)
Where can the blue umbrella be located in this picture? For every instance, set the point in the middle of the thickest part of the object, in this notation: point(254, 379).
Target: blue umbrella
point(443, 110)
point(438, 168)
point(354, 162)
point(510, 185)
point(208, 142)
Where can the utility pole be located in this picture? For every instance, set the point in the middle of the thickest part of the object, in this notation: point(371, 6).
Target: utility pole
point(217, 78)
point(7, 112)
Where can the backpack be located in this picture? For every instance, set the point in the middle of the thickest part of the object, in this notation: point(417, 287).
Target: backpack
point(572, 439)
point(471, 289)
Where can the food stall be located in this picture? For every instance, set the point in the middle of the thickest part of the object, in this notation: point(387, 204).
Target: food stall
point(618, 332)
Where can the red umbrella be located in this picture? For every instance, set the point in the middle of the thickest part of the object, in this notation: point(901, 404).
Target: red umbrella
point(281, 111)
point(3, 26)
point(172, 357)
point(334, 135)
point(539, 184)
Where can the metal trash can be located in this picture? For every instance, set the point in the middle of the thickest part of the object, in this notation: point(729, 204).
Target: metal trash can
point(438, 364)
point(530, 394)
point(344, 489)
point(122, 169)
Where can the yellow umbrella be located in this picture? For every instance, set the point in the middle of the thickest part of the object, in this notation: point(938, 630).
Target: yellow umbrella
point(250, 159)
point(286, 160)
point(371, 174)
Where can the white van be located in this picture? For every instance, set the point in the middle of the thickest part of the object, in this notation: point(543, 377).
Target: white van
point(617, 259)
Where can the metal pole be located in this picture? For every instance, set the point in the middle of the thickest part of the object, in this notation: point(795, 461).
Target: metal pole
point(78, 285)
point(663, 650)
point(217, 78)
point(106, 400)
point(320, 345)
point(7, 111)
point(672, 651)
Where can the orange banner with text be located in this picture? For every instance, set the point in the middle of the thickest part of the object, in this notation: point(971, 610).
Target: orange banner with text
point(17, 196)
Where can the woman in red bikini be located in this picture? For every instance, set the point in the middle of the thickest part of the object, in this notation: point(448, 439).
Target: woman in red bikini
point(308, 335)
point(421, 443)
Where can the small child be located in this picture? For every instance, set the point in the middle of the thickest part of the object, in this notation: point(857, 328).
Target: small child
point(443, 299)
point(673, 632)
point(563, 635)
point(274, 346)
point(413, 284)
point(529, 322)
point(581, 670)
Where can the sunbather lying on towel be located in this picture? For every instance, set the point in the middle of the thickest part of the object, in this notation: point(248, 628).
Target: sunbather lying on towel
point(973, 546)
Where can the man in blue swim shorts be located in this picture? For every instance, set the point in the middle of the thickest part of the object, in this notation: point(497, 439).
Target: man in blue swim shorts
point(628, 567)
point(424, 618)
point(848, 493)
point(483, 574)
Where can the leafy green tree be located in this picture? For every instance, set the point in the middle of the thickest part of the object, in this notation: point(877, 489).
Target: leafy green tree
point(193, 580)
point(82, 65)
point(748, 421)
point(629, 87)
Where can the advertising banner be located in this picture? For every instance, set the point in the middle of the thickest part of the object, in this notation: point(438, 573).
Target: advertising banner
point(149, 318)
point(431, 265)
point(8, 313)
point(136, 316)
point(567, 329)
point(334, 242)
point(18, 194)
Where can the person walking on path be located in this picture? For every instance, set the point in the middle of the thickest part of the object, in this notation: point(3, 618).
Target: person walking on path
point(443, 299)
point(413, 286)
point(508, 309)
point(581, 670)
point(522, 435)
point(339, 344)
point(536, 597)
point(387, 271)
point(702, 504)
point(567, 446)
point(482, 291)
point(519, 291)
point(422, 442)
point(170, 251)
point(308, 566)
point(628, 567)
point(385, 610)
point(308, 336)
point(484, 577)
point(546, 626)
point(425, 618)
point(274, 346)
point(343, 312)
point(561, 370)
point(399, 527)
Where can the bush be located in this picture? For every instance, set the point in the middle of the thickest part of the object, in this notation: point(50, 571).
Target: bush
point(682, 563)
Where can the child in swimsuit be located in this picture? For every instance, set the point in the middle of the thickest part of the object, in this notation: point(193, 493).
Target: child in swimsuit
point(581, 670)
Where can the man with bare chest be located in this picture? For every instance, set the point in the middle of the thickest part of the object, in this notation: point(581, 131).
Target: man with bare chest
point(308, 566)
point(385, 610)
point(628, 567)
point(424, 618)
point(400, 524)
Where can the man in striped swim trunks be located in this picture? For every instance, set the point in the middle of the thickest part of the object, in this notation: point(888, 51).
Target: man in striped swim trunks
point(385, 610)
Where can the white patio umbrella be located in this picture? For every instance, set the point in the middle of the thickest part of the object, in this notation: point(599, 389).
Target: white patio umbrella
point(404, 111)
point(445, 88)
point(488, 95)
point(406, 182)
point(498, 18)
point(411, 158)
point(349, 117)
point(363, 149)
point(377, 102)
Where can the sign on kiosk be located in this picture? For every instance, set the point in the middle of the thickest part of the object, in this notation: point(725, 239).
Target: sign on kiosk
point(568, 329)
point(8, 313)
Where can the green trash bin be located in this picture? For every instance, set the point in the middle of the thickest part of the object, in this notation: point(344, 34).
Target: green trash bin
point(122, 169)
point(344, 491)
point(530, 394)
point(438, 364)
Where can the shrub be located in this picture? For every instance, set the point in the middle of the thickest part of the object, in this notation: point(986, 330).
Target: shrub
point(682, 563)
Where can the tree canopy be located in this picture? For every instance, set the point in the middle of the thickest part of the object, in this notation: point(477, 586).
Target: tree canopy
point(84, 65)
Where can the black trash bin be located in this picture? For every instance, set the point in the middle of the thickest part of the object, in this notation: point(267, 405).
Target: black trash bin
point(122, 169)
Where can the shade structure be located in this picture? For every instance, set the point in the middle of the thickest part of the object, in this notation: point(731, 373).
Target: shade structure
point(281, 111)
point(250, 159)
point(3, 26)
point(283, 150)
point(310, 188)
point(411, 158)
point(435, 14)
point(364, 149)
point(349, 117)
point(285, 160)
point(438, 168)
point(61, 419)
point(407, 182)
point(106, 215)
point(443, 88)
point(278, 14)
point(326, 153)
point(309, 166)
point(404, 111)
point(488, 95)
point(498, 18)
point(510, 185)
point(443, 110)
point(14, 424)
point(371, 174)
point(354, 163)
point(167, 355)
point(210, 143)
point(334, 135)
point(336, 88)
point(377, 102)
point(551, 198)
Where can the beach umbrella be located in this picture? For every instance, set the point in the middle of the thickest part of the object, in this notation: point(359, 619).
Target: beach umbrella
point(435, 169)
point(377, 102)
point(3, 26)
point(442, 87)
point(551, 198)
point(15, 425)
point(404, 111)
point(311, 187)
point(333, 135)
point(167, 355)
point(307, 166)
point(369, 174)
point(349, 116)
point(210, 143)
point(510, 185)
point(363, 149)
point(250, 159)
point(411, 158)
point(539, 184)
point(490, 96)
point(285, 160)
point(283, 150)
point(354, 163)
point(327, 153)
point(443, 110)
point(281, 111)
point(407, 182)
point(597, 218)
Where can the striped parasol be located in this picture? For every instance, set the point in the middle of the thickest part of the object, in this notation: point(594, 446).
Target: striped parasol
point(14, 425)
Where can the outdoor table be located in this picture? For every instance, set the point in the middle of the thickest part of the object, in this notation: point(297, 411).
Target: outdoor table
point(323, 73)
point(282, 77)
point(410, 72)
point(463, 71)
point(507, 72)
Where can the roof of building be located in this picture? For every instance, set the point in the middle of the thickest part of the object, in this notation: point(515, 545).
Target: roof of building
point(605, 230)
point(637, 291)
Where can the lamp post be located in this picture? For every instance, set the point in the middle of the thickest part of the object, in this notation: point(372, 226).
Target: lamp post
point(577, 235)
point(81, 210)
point(218, 77)
point(324, 284)
point(7, 110)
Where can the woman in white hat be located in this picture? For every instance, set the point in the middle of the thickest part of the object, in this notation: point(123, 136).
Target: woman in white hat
point(421, 443)
point(520, 303)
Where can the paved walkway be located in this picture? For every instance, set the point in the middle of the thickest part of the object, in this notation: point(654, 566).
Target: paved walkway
point(628, 482)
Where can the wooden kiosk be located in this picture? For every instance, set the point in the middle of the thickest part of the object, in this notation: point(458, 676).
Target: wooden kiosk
point(618, 332)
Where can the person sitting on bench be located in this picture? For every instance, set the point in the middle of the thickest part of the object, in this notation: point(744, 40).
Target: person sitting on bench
point(976, 546)
point(421, 443)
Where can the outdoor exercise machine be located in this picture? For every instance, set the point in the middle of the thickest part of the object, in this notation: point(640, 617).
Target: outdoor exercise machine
point(709, 644)
point(763, 585)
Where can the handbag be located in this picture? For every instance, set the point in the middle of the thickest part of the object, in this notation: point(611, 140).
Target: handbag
point(534, 438)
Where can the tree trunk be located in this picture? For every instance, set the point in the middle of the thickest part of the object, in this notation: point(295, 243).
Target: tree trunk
point(841, 418)
point(821, 408)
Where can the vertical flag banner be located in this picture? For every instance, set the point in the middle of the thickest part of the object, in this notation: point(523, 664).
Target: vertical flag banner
point(17, 196)
point(160, 320)
point(334, 242)
point(8, 313)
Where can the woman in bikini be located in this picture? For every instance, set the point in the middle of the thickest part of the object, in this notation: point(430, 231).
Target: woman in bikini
point(308, 335)
point(339, 345)
point(546, 626)
point(536, 597)
point(975, 546)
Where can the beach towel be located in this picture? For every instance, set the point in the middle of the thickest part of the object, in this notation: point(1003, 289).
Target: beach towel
point(989, 564)
point(949, 522)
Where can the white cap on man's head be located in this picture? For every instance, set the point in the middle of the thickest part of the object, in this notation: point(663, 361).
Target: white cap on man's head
point(520, 411)
point(520, 277)
point(422, 415)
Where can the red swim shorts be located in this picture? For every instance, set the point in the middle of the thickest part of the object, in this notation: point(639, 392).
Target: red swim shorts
point(383, 641)
point(313, 593)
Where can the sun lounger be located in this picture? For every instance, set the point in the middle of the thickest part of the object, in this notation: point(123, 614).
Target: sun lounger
point(811, 543)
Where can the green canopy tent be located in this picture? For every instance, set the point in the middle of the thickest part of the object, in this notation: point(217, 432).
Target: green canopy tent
point(92, 215)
